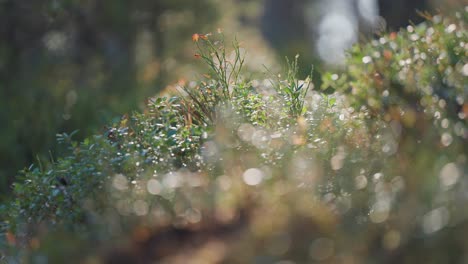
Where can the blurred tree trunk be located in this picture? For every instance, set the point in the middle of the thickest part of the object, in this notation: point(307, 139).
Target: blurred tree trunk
point(283, 21)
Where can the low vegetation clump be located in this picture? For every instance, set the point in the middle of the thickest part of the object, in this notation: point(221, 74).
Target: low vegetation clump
point(269, 170)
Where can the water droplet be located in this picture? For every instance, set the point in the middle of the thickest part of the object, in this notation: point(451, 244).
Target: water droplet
point(465, 70)
point(360, 182)
point(337, 161)
point(378, 176)
point(140, 207)
point(449, 174)
point(380, 211)
point(253, 176)
point(193, 215)
point(224, 182)
point(209, 149)
point(245, 132)
point(120, 182)
point(451, 28)
point(435, 220)
point(446, 139)
point(414, 37)
point(260, 139)
point(172, 180)
point(445, 123)
point(154, 187)
point(366, 59)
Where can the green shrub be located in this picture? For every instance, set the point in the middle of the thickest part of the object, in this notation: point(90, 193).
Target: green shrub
point(73, 65)
point(294, 173)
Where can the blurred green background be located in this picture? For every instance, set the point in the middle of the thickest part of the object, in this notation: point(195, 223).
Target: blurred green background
point(69, 65)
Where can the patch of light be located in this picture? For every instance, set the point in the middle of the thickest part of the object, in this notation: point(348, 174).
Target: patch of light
point(360, 182)
point(253, 176)
point(380, 211)
point(435, 220)
point(465, 70)
point(337, 161)
point(336, 24)
point(449, 175)
point(245, 132)
point(120, 182)
point(337, 32)
point(154, 187)
point(55, 41)
point(369, 10)
point(140, 207)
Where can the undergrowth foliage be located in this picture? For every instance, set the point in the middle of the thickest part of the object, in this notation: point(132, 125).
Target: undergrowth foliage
point(365, 173)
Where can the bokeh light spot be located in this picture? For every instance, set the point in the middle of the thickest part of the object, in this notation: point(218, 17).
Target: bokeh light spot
point(253, 176)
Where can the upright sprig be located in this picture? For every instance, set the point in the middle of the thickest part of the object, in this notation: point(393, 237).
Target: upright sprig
point(225, 68)
point(224, 76)
point(294, 89)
